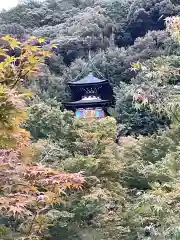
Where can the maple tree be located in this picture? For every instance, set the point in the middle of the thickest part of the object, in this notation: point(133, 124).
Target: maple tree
point(28, 189)
point(173, 27)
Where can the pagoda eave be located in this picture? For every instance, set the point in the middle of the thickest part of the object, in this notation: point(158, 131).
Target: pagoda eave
point(71, 84)
point(73, 105)
point(88, 80)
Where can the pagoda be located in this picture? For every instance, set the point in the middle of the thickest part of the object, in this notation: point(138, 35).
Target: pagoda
point(90, 97)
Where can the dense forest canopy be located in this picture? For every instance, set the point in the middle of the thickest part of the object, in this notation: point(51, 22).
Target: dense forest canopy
point(114, 178)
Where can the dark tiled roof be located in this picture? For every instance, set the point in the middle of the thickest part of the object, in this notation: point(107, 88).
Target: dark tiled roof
point(88, 80)
point(92, 102)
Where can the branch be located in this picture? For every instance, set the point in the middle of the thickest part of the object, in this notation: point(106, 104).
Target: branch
point(30, 228)
point(23, 76)
point(175, 115)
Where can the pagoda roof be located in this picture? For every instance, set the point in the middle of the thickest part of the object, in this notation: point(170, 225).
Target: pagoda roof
point(88, 80)
point(87, 103)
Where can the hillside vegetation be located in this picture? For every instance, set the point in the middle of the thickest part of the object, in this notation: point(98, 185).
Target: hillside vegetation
point(115, 178)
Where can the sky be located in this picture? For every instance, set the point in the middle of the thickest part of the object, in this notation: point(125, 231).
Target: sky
point(7, 3)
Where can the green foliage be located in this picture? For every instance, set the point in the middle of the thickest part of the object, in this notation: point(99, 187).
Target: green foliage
point(133, 121)
point(12, 29)
point(109, 171)
point(49, 88)
point(132, 188)
point(114, 203)
point(49, 122)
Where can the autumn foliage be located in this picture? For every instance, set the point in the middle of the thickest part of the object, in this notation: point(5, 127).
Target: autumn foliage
point(28, 190)
point(173, 27)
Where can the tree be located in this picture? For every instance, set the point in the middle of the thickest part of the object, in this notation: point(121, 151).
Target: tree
point(173, 27)
point(28, 189)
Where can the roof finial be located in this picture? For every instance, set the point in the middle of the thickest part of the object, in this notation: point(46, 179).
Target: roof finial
point(89, 57)
point(90, 61)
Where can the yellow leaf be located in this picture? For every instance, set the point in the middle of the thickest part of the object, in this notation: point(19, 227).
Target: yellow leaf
point(41, 40)
point(2, 52)
point(5, 165)
point(11, 41)
point(6, 38)
point(9, 59)
point(33, 188)
point(46, 53)
point(54, 46)
point(34, 48)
